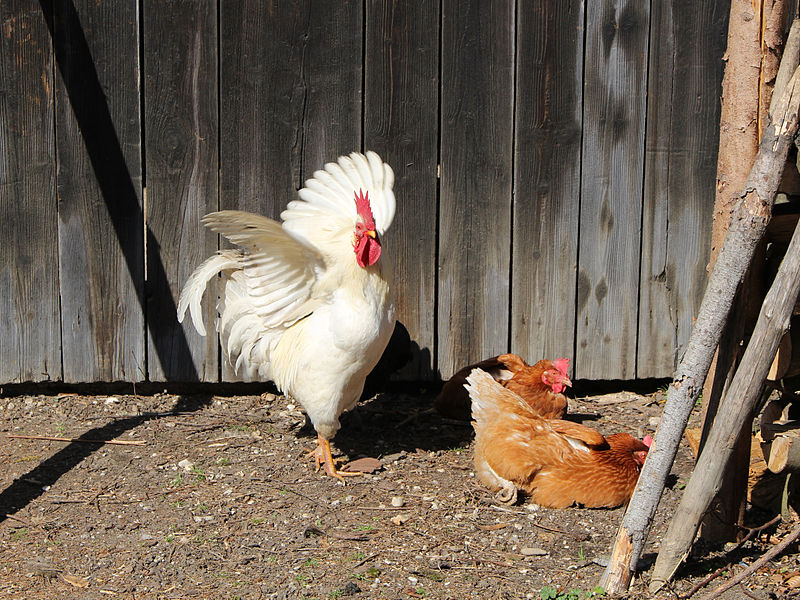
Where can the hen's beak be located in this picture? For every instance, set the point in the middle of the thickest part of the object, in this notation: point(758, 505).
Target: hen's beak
point(566, 381)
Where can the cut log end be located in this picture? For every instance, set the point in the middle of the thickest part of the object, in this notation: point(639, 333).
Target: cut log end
point(784, 452)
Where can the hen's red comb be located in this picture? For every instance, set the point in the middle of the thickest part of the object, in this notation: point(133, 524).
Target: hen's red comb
point(364, 209)
point(647, 441)
point(562, 364)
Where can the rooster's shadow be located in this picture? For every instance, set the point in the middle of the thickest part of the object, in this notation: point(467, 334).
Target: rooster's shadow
point(400, 420)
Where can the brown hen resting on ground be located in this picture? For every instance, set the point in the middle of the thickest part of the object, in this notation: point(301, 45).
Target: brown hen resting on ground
point(557, 463)
point(540, 385)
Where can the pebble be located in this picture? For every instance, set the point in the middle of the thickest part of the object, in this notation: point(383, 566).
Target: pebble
point(399, 519)
point(186, 464)
point(533, 552)
point(390, 458)
point(397, 501)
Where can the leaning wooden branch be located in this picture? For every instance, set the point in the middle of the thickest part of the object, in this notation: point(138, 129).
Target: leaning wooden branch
point(737, 406)
point(748, 223)
point(790, 60)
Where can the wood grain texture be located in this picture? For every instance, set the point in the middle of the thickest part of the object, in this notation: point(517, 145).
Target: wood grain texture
point(30, 337)
point(263, 92)
point(333, 70)
point(400, 123)
point(488, 113)
point(549, 92)
point(99, 188)
point(687, 40)
point(476, 179)
point(290, 99)
point(611, 188)
point(180, 67)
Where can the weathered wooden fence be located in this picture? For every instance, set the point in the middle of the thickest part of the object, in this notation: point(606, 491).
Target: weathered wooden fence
point(555, 166)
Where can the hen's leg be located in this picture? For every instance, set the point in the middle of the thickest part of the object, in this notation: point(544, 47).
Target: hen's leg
point(505, 490)
point(323, 458)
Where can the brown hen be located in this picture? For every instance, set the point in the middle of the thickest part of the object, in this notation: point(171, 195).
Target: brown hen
point(540, 385)
point(557, 463)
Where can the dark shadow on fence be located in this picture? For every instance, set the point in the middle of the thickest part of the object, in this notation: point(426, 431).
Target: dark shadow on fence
point(93, 116)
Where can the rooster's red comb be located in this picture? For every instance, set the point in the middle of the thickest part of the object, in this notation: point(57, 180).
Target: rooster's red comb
point(562, 364)
point(364, 209)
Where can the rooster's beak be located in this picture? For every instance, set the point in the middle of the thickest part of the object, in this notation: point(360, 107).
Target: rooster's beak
point(371, 233)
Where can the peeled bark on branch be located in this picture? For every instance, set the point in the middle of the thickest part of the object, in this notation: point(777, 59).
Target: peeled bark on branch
point(748, 223)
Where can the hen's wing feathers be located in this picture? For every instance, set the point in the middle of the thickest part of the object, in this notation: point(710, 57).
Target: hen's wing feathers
point(281, 270)
point(576, 431)
point(512, 362)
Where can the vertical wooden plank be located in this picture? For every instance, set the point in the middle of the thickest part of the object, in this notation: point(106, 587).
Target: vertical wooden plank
point(180, 69)
point(687, 41)
point(290, 98)
point(333, 69)
point(290, 94)
point(549, 106)
point(99, 189)
point(476, 176)
point(611, 188)
point(400, 123)
point(262, 98)
point(30, 337)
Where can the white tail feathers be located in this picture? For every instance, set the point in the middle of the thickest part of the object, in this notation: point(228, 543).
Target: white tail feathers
point(489, 398)
point(193, 291)
point(480, 386)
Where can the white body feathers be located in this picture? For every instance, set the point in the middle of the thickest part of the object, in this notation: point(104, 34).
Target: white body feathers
point(297, 308)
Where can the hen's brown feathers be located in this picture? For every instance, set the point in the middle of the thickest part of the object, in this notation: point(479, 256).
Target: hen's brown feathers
point(558, 463)
point(511, 371)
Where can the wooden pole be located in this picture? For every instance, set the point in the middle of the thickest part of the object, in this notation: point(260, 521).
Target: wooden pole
point(747, 91)
point(737, 407)
point(748, 223)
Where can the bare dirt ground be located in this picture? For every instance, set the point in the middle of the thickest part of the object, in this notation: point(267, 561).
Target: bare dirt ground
point(217, 500)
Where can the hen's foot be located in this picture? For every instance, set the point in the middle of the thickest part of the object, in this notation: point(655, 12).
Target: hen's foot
point(507, 494)
point(323, 458)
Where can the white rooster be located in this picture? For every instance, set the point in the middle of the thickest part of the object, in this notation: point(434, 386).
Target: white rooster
point(307, 303)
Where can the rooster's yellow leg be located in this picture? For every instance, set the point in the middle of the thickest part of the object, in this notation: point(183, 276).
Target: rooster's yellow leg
point(323, 457)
